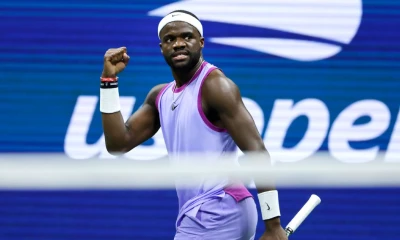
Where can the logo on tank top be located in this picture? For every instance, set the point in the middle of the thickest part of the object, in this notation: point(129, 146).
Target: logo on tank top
point(174, 106)
point(300, 30)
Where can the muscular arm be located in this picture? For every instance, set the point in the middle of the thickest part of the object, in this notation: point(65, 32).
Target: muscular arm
point(222, 95)
point(122, 137)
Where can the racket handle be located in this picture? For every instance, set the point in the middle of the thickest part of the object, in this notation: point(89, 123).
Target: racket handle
point(302, 214)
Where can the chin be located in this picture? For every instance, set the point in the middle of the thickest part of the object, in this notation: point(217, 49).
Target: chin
point(181, 64)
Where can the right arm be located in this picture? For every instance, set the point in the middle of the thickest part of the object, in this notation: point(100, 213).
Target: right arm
point(120, 136)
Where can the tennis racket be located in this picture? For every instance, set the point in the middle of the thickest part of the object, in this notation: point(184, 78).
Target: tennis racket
point(302, 214)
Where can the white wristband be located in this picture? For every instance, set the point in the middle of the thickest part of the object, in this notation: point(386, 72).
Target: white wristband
point(269, 204)
point(109, 100)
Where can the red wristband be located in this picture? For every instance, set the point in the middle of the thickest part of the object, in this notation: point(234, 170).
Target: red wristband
point(108, 79)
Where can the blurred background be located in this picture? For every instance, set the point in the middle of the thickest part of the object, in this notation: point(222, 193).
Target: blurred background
point(317, 76)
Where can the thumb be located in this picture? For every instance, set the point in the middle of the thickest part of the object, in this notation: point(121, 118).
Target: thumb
point(122, 65)
point(119, 67)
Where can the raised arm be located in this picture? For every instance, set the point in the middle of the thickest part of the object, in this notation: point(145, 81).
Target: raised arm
point(120, 136)
point(222, 96)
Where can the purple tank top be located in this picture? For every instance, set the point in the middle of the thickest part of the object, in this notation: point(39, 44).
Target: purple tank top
point(186, 130)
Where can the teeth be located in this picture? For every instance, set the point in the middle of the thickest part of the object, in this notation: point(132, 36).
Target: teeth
point(180, 55)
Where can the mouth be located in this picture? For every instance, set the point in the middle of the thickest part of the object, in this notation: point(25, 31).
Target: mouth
point(180, 55)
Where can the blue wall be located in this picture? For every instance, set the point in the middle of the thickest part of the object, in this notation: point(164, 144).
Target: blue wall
point(342, 53)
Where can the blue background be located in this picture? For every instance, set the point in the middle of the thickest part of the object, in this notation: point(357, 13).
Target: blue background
point(51, 52)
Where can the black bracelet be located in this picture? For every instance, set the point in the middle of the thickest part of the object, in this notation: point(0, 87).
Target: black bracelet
point(109, 84)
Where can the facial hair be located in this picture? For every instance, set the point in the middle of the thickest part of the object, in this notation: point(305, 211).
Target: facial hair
point(194, 58)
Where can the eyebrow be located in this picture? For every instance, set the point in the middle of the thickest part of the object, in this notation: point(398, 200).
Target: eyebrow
point(181, 34)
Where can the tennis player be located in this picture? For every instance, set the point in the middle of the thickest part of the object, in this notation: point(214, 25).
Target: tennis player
point(200, 111)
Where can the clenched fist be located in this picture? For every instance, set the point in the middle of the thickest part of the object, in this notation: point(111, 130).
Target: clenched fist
point(115, 61)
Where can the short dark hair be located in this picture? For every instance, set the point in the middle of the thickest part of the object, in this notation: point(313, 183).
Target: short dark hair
point(187, 12)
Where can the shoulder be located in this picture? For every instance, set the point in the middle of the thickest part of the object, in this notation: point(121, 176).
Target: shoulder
point(157, 89)
point(219, 92)
point(153, 93)
point(218, 83)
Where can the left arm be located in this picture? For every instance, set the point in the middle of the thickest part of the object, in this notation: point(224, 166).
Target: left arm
point(222, 95)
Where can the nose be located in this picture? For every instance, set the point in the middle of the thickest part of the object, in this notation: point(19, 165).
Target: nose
point(179, 44)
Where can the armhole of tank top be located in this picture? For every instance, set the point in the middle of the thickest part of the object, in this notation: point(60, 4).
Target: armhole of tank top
point(159, 95)
point(200, 107)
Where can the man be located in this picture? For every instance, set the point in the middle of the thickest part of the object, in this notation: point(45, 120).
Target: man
point(202, 99)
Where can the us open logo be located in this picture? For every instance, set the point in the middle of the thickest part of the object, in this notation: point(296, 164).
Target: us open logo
point(313, 29)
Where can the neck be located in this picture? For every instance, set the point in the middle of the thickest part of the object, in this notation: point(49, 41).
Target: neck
point(183, 76)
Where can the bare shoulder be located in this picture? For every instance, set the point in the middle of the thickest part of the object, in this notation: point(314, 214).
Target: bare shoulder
point(217, 83)
point(153, 93)
point(220, 93)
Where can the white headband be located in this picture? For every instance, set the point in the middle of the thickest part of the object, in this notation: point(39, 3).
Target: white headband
point(180, 16)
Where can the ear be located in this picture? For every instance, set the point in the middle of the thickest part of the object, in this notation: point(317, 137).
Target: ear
point(202, 42)
point(161, 47)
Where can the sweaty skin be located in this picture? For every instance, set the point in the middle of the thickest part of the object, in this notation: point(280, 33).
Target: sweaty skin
point(181, 46)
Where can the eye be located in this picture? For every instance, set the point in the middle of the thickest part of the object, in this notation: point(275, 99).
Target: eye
point(188, 36)
point(168, 39)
